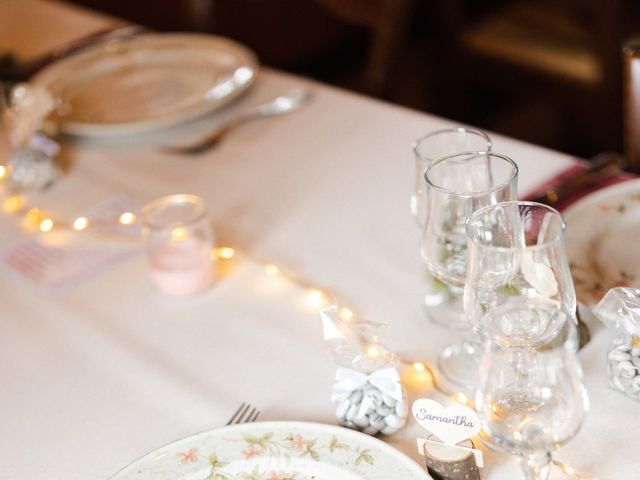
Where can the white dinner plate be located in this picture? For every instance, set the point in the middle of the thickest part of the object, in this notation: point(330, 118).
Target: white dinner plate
point(603, 231)
point(147, 82)
point(276, 451)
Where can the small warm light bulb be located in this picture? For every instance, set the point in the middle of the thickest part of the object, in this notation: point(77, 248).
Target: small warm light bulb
point(46, 225)
point(13, 204)
point(373, 351)
point(271, 270)
point(315, 298)
point(569, 470)
point(179, 234)
point(461, 398)
point(80, 223)
point(345, 313)
point(127, 218)
point(34, 214)
point(419, 366)
point(3, 172)
point(226, 252)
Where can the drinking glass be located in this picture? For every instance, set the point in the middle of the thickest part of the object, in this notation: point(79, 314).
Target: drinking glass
point(179, 244)
point(532, 400)
point(457, 186)
point(439, 297)
point(434, 146)
point(518, 273)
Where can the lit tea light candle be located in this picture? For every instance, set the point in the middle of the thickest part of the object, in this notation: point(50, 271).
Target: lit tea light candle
point(180, 241)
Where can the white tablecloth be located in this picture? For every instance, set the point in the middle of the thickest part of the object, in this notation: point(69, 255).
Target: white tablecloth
point(94, 377)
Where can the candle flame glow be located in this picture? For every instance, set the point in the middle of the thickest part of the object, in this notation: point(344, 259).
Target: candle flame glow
point(179, 234)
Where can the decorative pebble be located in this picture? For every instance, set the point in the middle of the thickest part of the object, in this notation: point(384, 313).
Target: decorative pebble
point(401, 408)
point(361, 421)
point(624, 369)
point(356, 396)
point(388, 400)
point(370, 410)
point(621, 356)
point(341, 410)
point(352, 412)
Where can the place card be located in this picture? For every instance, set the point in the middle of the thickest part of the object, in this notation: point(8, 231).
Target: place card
point(449, 451)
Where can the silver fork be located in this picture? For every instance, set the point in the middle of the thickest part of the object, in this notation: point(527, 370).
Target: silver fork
point(245, 414)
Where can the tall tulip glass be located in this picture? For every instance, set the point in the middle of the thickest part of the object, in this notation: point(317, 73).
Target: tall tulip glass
point(518, 273)
point(457, 186)
point(530, 408)
point(439, 297)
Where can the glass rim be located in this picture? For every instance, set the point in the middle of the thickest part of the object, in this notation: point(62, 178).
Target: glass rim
point(475, 131)
point(500, 186)
point(174, 199)
point(553, 240)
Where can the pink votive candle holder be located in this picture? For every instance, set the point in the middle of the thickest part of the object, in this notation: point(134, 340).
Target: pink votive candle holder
point(180, 242)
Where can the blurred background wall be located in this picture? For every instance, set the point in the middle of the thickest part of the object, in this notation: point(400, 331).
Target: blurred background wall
point(544, 71)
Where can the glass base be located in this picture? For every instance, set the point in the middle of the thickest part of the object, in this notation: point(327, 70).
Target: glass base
point(443, 306)
point(458, 366)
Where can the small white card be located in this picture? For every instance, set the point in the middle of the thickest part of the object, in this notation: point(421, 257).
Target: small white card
point(62, 259)
point(452, 425)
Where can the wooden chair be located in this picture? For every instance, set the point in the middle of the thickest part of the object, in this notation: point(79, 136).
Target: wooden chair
point(564, 52)
point(387, 21)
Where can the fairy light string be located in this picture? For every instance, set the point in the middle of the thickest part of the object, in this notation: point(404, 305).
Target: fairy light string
point(36, 219)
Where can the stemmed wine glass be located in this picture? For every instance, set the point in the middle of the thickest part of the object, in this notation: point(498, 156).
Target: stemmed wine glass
point(518, 273)
point(520, 296)
point(532, 400)
point(441, 298)
point(456, 186)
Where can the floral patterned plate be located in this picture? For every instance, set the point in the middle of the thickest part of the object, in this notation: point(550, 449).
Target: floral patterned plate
point(275, 451)
point(603, 230)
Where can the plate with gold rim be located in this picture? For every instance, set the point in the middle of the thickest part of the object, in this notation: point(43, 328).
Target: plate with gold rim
point(276, 451)
point(603, 229)
point(146, 82)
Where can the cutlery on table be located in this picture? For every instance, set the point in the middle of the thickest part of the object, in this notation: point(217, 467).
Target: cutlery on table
point(285, 103)
point(245, 414)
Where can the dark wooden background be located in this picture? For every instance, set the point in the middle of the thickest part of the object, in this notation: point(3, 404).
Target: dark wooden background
point(544, 71)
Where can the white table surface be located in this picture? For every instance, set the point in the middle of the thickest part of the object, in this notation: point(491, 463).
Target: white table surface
point(95, 377)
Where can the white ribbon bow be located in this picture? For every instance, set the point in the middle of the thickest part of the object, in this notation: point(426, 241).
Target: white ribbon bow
point(386, 380)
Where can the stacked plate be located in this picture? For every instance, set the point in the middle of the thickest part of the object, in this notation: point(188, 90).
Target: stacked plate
point(147, 82)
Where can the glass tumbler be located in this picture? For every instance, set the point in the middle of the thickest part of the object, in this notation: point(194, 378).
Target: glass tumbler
point(180, 241)
point(440, 297)
point(457, 186)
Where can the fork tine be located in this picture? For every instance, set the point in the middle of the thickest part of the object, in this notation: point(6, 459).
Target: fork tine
point(254, 416)
point(245, 414)
point(235, 415)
